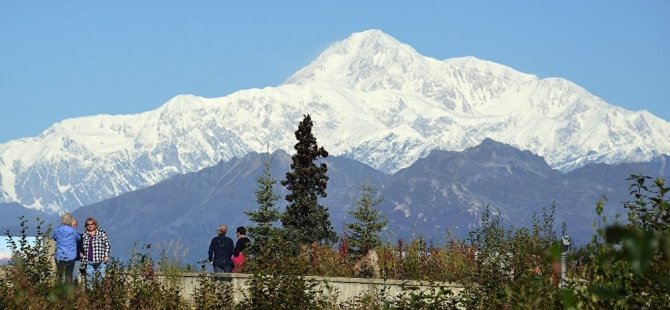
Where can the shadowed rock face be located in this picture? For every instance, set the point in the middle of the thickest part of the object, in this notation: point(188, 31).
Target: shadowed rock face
point(12, 211)
point(372, 98)
point(444, 192)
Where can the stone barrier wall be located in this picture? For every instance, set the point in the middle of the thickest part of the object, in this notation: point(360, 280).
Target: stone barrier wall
point(345, 288)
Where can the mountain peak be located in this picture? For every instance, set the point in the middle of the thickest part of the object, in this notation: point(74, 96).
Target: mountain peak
point(373, 39)
point(373, 60)
point(373, 99)
point(365, 60)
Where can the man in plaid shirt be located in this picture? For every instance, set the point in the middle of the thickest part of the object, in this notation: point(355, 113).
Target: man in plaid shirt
point(96, 250)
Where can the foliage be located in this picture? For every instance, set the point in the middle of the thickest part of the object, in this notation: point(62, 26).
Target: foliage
point(511, 262)
point(435, 298)
point(305, 220)
point(263, 231)
point(372, 299)
point(624, 266)
point(324, 261)
point(29, 274)
point(627, 266)
point(212, 293)
point(279, 291)
point(29, 256)
point(134, 285)
point(364, 232)
point(29, 282)
point(650, 209)
point(108, 293)
point(277, 257)
point(146, 290)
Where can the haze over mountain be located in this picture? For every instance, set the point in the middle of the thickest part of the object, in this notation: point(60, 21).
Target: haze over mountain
point(188, 208)
point(12, 211)
point(372, 99)
point(445, 192)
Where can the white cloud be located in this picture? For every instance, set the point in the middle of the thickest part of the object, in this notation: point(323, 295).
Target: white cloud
point(5, 255)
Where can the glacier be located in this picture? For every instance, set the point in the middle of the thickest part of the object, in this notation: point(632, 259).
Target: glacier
point(372, 99)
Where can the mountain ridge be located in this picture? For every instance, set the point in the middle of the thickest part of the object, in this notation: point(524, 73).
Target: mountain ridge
point(385, 106)
point(444, 192)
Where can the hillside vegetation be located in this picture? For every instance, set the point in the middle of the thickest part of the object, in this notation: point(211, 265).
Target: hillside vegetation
point(624, 266)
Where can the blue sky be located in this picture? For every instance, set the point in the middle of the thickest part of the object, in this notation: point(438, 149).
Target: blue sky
point(5, 250)
point(63, 59)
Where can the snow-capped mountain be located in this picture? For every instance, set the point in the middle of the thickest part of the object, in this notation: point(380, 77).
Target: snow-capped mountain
point(442, 193)
point(372, 99)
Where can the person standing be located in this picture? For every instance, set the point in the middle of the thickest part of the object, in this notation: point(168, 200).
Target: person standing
point(80, 260)
point(66, 237)
point(241, 245)
point(221, 251)
point(96, 250)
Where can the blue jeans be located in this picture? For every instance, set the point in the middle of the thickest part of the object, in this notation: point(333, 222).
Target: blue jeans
point(91, 270)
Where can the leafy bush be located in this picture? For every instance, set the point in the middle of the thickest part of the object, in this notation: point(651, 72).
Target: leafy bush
point(212, 293)
point(30, 283)
point(434, 297)
point(510, 263)
point(627, 266)
point(29, 279)
point(324, 261)
point(289, 292)
point(624, 266)
point(373, 299)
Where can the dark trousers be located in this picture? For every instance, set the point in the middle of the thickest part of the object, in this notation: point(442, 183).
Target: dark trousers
point(225, 268)
point(64, 269)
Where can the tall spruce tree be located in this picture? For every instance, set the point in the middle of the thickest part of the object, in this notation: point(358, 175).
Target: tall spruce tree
point(263, 231)
point(364, 232)
point(305, 220)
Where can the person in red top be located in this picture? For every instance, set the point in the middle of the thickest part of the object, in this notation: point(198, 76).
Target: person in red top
point(242, 243)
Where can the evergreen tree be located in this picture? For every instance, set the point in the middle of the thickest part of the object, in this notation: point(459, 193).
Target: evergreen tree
point(267, 214)
point(305, 220)
point(369, 223)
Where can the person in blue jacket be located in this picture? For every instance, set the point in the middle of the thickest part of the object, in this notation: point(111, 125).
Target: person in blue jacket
point(66, 237)
point(221, 251)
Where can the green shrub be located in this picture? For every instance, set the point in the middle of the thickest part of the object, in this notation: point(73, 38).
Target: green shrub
point(374, 299)
point(627, 266)
point(434, 297)
point(624, 266)
point(289, 292)
point(324, 261)
point(513, 266)
point(29, 281)
point(212, 293)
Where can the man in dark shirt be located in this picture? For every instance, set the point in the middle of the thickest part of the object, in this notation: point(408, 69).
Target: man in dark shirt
point(221, 251)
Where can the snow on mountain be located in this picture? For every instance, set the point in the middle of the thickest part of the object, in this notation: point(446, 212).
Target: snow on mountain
point(372, 61)
point(372, 99)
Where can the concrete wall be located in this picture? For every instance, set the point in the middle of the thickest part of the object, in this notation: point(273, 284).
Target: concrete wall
point(346, 288)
